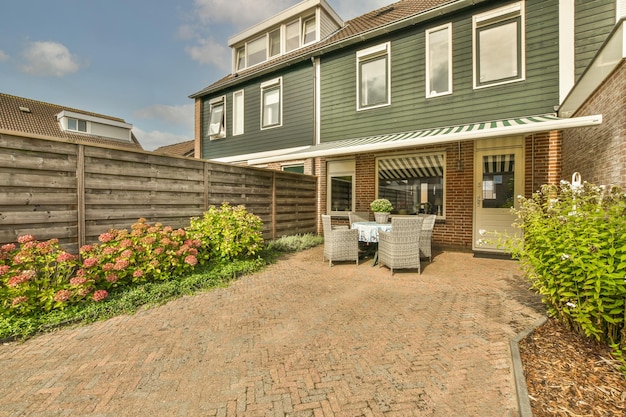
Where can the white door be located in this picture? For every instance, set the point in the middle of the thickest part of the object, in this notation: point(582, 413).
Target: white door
point(499, 179)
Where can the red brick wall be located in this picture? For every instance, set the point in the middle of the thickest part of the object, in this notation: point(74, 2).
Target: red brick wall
point(543, 160)
point(599, 152)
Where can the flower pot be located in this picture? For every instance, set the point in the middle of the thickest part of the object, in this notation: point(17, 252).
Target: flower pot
point(381, 217)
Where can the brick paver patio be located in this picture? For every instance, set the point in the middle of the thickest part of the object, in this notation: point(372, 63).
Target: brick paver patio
point(298, 339)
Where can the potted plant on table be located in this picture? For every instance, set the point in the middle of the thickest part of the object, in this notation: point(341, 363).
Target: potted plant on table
point(381, 208)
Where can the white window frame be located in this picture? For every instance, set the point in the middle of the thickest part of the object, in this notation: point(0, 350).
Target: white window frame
point(78, 122)
point(374, 52)
point(264, 39)
point(270, 85)
point(303, 27)
point(340, 168)
point(238, 114)
point(213, 103)
point(509, 13)
point(429, 92)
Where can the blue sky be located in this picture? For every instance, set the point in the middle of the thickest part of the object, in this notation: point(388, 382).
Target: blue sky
point(134, 59)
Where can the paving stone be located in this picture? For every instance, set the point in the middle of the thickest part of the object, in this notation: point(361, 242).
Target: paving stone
point(297, 339)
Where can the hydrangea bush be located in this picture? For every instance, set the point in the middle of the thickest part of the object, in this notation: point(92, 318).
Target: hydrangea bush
point(38, 276)
point(574, 251)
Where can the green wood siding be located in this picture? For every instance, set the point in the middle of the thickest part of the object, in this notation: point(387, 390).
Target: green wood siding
point(594, 21)
point(298, 123)
point(410, 109)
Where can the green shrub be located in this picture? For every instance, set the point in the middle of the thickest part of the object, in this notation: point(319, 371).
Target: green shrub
point(574, 251)
point(228, 232)
point(295, 243)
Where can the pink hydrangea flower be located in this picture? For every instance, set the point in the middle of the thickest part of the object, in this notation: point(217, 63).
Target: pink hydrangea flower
point(109, 266)
point(127, 254)
point(62, 296)
point(25, 276)
point(121, 264)
point(100, 295)
point(158, 251)
point(106, 237)
point(168, 229)
point(138, 273)
point(78, 281)
point(22, 299)
point(191, 260)
point(86, 248)
point(64, 257)
point(9, 247)
point(126, 243)
point(89, 262)
point(109, 250)
point(112, 278)
point(25, 238)
point(4, 269)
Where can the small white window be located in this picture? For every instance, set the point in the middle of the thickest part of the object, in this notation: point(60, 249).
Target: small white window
point(257, 51)
point(439, 61)
point(309, 32)
point(292, 36)
point(217, 116)
point(240, 58)
point(499, 46)
point(238, 112)
point(77, 125)
point(271, 103)
point(274, 42)
point(373, 77)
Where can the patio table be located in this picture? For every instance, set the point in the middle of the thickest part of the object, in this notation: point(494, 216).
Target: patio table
point(368, 232)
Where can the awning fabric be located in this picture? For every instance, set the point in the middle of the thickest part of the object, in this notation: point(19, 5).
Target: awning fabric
point(496, 164)
point(478, 130)
point(419, 166)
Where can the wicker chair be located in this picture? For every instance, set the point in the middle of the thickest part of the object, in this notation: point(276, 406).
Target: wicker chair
point(339, 244)
point(426, 236)
point(400, 248)
point(358, 216)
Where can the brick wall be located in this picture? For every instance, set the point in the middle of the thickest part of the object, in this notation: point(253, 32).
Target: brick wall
point(543, 160)
point(599, 152)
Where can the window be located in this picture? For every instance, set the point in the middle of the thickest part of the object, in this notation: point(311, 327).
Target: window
point(499, 46)
point(240, 58)
point(77, 125)
point(373, 77)
point(274, 42)
point(340, 186)
point(217, 127)
point(308, 31)
point(292, 36)
point(238, 112)
point(257, 51)
point(297, 168)
point(439, 61)
point(271, 103)
point(413, 183)
point(499, 181)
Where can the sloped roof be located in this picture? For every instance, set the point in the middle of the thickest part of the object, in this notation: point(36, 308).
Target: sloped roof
point(354, 29)
point(178, 149)
point(25, 115)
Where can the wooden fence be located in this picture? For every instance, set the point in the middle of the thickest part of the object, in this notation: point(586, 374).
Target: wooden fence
point(74, 192)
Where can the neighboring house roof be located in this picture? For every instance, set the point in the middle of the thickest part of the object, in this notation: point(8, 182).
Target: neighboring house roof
point(178, 149)
point(29, 116)
point(391, 17)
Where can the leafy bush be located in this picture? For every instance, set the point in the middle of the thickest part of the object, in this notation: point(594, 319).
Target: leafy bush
point(294, 243)
point(228, 232)
point(574, 251)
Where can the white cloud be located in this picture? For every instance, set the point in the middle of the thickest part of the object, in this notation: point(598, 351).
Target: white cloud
point(174, 115)
point(3, 56)
point(156, 138)
point(49, 59)
point(209, 51)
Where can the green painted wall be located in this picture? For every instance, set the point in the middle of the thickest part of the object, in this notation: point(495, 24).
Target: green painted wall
point(410, 109)
point(298, 123)
point(594, 21)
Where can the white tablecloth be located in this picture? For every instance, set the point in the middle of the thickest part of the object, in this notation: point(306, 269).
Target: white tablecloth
point(368, 231)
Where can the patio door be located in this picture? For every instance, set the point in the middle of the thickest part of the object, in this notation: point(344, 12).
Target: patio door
point(499, 179)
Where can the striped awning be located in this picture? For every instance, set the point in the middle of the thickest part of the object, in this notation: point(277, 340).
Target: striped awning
point(411, 167)
point(498, 164)
point(479, 130)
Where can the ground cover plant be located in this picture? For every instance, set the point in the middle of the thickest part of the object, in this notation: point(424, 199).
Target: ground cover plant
point(42, 286)
point(574, 252)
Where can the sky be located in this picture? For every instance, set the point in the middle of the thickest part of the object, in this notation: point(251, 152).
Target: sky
point(138, 60)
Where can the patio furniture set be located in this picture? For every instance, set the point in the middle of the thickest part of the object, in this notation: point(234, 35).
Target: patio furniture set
point(398, 245)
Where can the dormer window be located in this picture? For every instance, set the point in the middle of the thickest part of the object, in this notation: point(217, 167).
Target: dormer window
point(77, 125)
point(279, 40)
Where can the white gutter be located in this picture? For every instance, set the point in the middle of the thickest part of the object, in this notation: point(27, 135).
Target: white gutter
point(561, 124)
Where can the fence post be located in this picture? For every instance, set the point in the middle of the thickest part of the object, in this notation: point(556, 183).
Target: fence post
point(273, 205)
point(206, 185)
point(80, 193)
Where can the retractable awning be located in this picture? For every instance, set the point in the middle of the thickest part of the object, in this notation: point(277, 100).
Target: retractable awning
point(479, 130)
